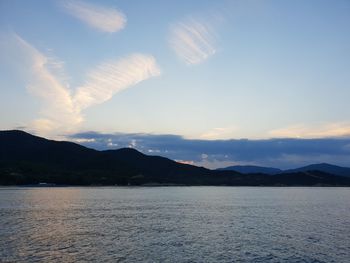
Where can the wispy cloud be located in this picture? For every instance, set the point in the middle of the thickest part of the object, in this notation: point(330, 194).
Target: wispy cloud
point(62, 107)
point(103, 18)
point(313, 131)
point(113, 76)
point(193, 40)
point(57, 105)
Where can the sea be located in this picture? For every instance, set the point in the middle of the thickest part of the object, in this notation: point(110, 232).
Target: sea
point(174, 224)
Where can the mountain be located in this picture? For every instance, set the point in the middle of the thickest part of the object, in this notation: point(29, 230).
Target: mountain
point(323, 167)
point(28, 159)
point(249, 169)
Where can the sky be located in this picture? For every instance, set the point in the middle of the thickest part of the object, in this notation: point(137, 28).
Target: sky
point(211, 83)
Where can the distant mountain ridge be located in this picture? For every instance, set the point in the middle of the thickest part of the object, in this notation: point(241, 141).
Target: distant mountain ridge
point(26, 159)
point(322, 167)
point(248, 169)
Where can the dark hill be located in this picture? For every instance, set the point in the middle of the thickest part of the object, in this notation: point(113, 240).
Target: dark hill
point(28, 159)
point(22, 146)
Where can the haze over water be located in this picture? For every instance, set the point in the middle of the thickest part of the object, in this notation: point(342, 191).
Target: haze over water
point(175, 224)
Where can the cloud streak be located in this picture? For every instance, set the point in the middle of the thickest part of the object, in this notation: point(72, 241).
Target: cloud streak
point(62, 107)
point(315, 131)
point(105, 19)
point(57, 106)
point(192, 40)
point(114, 76)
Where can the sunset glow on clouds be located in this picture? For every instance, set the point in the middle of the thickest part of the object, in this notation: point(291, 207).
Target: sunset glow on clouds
point(313, 131)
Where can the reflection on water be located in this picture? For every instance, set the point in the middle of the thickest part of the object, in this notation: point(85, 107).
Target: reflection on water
point(37, 222)
point(183, 224)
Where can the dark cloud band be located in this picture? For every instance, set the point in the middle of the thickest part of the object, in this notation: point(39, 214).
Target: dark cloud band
point(281, 153)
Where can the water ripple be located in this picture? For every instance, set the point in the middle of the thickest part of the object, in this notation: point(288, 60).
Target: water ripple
point(175, 224)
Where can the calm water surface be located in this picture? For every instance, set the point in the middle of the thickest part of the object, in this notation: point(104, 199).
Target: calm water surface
point(175, 224)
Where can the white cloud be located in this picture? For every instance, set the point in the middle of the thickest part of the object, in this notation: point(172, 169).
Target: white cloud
point(316, 131)
point(99, 17)
point(82, 140)
point(62, 108)
point(57, 108)
point(219, 133)
point(193, 40)
point(113, 76)
point(133, 144)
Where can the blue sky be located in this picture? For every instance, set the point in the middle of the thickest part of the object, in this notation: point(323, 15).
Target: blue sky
point(201, 70)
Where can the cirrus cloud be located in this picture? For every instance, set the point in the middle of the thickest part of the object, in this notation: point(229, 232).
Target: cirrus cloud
point(192, 40)
point(105, 19)
point(113, 76)
point(62, 107)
